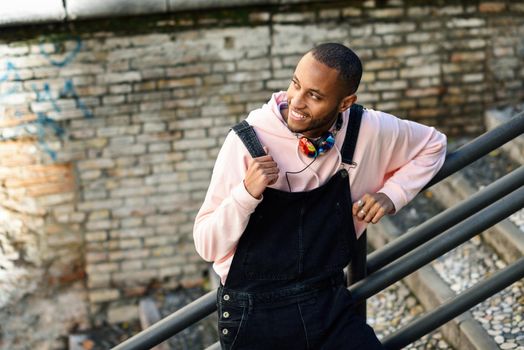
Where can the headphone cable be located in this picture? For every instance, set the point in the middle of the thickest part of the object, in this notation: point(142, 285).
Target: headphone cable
point(297, 172)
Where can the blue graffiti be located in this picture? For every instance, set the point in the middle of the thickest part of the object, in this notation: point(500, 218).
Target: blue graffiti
point(69, 91)
point(45, 95)
point(58, 48)
point(11, 74)
point(43, 125)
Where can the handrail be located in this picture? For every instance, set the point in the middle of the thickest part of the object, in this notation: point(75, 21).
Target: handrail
point(438, 246)
point(363, 289)
point(455, 306)
point(479, 147)
point(444, 220)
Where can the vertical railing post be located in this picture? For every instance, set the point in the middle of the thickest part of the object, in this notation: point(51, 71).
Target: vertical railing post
point(357, 269)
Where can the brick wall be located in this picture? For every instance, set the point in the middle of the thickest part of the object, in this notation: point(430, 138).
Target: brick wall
point(109, 129)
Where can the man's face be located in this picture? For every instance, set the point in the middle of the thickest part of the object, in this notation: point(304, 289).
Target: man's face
point(315, 97)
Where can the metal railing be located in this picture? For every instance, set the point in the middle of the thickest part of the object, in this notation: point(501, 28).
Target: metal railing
point(409, 252)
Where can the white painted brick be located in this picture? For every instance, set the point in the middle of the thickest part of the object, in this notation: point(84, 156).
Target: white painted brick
point(388, 28)
point(97, 296)
point(115, 78)
point(97, 205)
point(194, 144)
point(122, 314)
point(96, 236)
point(159, 147)
point(132, 232)
point(154, 127)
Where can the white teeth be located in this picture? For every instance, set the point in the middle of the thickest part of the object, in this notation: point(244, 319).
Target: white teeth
point(298, 115)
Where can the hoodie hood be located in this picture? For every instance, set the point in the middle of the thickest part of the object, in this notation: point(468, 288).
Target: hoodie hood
point(268, 118)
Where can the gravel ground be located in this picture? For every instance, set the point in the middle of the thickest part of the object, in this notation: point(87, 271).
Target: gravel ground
point(395, 307)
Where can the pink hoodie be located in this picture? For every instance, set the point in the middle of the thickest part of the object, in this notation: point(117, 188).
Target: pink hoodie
point(393, 156)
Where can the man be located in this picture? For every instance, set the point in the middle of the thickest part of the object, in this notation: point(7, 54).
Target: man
point(280, 227)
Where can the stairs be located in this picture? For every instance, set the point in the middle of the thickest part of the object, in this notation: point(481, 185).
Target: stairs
point(497, 323)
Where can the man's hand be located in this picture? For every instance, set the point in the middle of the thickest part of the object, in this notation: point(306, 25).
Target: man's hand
point(372, 207)
point(261, 172)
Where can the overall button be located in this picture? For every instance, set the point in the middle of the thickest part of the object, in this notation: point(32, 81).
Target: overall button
point(225, 331)
point(344, 173)
point(225, 314)
point(226, 297)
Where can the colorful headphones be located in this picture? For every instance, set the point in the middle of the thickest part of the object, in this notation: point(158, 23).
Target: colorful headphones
point(320, 146)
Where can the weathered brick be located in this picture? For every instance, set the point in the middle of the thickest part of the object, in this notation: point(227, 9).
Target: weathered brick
point(131, 222)
point(387, 85)
point(99, 215)
point(101, 268)
point(132, 232)
point(131, 265)
point(118, 255)
point(391, 95)
point(97, 205)
point(468, 56)
point(103, 295)
point(194, 144)
point(129, 277)
point(122, 314)
point(183, 71)
point(95, 164)
point(96, 236)
point(159, 147)
point(386, 12)
point(450, 10)
point(115, 78)
point(388, 28)
point(351, 12)
point(423, 71)
point(90, 195)
point(492, 7)
point(466, 22)
point(123, 244)
point(99, 280)
point(473, 78)
point(170, 271)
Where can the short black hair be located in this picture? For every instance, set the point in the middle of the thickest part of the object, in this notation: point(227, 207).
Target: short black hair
point(344, 60)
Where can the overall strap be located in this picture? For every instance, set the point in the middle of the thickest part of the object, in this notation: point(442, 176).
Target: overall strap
point(247, 135)
point(350, 142)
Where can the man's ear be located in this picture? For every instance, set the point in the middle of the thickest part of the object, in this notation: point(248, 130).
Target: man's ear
point(347, 102)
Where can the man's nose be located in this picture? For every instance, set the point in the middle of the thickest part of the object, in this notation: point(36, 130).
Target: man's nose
point(297, 100)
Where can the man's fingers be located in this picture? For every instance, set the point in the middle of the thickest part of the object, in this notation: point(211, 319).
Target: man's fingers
point(365, 207)
point(370, 208)
point(272, 179)
point(378, 215)
point(263, 158)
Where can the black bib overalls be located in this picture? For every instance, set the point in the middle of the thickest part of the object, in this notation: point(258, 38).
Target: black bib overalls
point(285, 288)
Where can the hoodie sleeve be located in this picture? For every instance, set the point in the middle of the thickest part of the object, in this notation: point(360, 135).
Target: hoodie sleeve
point(227, 206)
point(415, 153)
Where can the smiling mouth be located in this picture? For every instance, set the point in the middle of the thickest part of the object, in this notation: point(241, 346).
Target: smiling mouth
point(296, 116)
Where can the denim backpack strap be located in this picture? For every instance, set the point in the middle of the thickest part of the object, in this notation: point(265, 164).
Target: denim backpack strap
point(247, 135)
point(350, 142)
